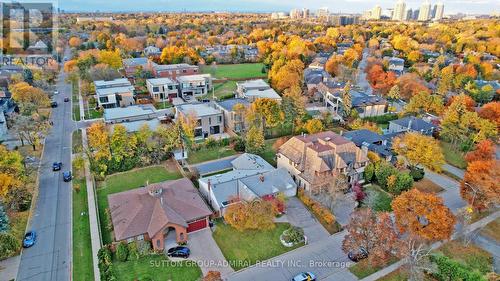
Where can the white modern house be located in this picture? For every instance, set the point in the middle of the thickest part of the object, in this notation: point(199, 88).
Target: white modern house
point(162, 89)
point(210, 120)
point(114, 93)
point(254, 89)
point(193, 86)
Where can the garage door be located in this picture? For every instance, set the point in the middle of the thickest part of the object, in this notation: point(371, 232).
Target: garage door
point(197, 225)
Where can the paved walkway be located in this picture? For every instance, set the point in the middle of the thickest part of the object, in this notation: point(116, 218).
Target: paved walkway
point(80, 101)
point(454, 170)
point(451, 193)
point(298, 215)
point(95, 236)
point(343, 208)
point(9, 267)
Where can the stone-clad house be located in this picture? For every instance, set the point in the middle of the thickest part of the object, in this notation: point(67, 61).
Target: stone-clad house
point(314, 160)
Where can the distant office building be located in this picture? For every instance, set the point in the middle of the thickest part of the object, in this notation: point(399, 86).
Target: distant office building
point(279, 15)
point(416, 12)
point(367, 15)
point(409, 14)
point(439, 11)
point(341, 20)
point(376, 13)
point(323, 13)
point(425, 10)
point(433, 12)
point(295, 14)
point(305, 13)
point(399, 11)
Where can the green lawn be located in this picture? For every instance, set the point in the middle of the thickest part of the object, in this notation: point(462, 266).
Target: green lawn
point(471, 255)
point(235, 71)
point(163, 105)
point(156, 267)
point(492, 230)
point(126, 181)
point(207, 154)
point(453, 156)
point(245, 248)
point(91, 113)
point(76, 105)
point(82, 248)
point(383, 200)
point(77, 141)
point(363, 268)
point(269, 153)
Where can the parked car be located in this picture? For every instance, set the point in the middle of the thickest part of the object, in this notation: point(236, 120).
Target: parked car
point(179, 252)
point(304, 276)
point(56, 166)
point(358, 255)
point(56, 92)
point(67, 176)
point(53, 104)
point(66, 99)
point(29, 239)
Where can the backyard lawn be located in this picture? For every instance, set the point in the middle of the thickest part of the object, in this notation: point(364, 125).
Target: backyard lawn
point(221, 91)
point(377, 199)
point(126, 181)
point(156, 267)
point(453, 156)
point(207, 154)
point(492, 230)
point(269, 153)
point(235, 71)
point(426, 185)
point(162, 105)
point(471, 256)
point(245, 248)
point(91, 113)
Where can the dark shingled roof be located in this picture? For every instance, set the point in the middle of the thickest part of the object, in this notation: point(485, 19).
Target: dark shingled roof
point(230, 103)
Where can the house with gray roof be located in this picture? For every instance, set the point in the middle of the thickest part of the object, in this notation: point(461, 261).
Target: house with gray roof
point(371, 140)
point(251, 178)
point(114, 93)
point(233, 120)
point(411, 124)
point(210, 119)
point(255, 89)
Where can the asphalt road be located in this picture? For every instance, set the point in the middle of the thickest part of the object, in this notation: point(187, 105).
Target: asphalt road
point(50, 258)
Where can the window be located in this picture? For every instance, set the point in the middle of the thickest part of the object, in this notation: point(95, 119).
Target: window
point(140, 237)
point(103, 99)
point(219, 119)
point(209, 120)
point(184, 71)
point(198, 122)
point(156, 89)
point(198, 132)
point(158, 243)
point(130, 240)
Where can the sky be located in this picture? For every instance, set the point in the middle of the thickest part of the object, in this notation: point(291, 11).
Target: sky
point(345, 6)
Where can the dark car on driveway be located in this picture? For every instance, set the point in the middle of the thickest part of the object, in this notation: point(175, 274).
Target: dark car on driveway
point(53, 104)
point(179, 252)
point(358, 255)
point(29, 239)
point(67, 176)
point(66, 99)
point(56, 166)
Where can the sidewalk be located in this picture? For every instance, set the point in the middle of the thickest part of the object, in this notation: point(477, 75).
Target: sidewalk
point(454, 170)
point(470, 228)
point(9, 267)
point(80, 102)
point(95, 236)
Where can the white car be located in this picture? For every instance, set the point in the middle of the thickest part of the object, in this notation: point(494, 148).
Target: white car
point(304, 276)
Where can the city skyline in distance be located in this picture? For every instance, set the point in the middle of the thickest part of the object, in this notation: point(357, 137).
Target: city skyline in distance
point(341, 6)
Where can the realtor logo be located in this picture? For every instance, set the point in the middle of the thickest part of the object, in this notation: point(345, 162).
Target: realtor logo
point(27, 29)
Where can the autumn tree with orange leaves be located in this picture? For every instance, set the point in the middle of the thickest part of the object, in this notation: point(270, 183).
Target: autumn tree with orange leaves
point(373, 232)
point(380, 80)
point(423, 215)
point(491, 111)
point(480, 184)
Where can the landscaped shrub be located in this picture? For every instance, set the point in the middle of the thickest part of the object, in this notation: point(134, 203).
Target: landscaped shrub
point(402, 182)
point(133, 251)
point(383, 172)
point(105, 264)
point(369, 172)
point(144, 247)
point(8, 245)
point(416, 173)
point(293, 235)
point(449, 269)
point(239, 145)
point(109, 225)
point(210, 142)
point(122, 251)
point(319, 210)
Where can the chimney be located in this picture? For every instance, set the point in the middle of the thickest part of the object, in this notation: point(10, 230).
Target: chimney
point(261, 178)
point(409, 124)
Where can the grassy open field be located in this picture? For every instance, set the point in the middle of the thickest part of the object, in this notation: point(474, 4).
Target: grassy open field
point(126, 181)
point(235, 71)
point(245, 248)
point(207, 154)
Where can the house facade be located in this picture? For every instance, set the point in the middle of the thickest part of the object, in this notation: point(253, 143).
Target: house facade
point(252, 178)
point(193, 86)
point(233, 120)
point(114, 93)
point(153, 212)
point(173, 71)
point(162, 89)
point(210, 120)
point(130, 66)
point(314, 161)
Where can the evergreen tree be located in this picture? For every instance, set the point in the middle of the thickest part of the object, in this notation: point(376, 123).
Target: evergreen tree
point(4, 220)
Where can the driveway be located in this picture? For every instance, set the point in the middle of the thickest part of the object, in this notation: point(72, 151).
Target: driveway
point(298, 215)
point(206, 252)
point(215, 166)
point(451, 194)
point(343, 208)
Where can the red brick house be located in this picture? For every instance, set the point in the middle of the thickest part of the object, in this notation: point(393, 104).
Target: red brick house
point(151, 212)
point(173, 71)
